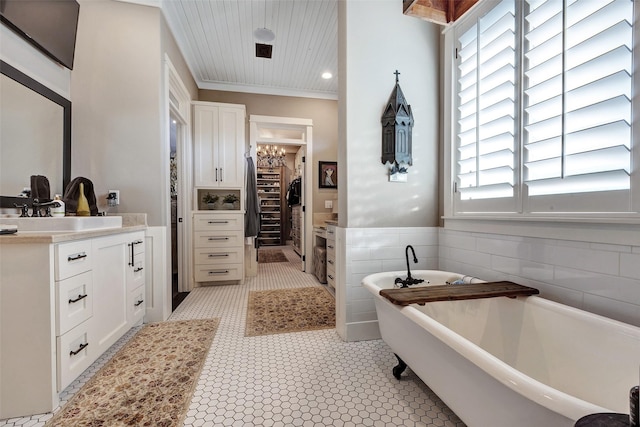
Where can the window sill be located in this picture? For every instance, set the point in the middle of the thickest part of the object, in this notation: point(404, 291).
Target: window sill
point(620, 230)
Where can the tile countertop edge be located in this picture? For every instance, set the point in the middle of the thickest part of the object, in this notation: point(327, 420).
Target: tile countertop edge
point(65, 236)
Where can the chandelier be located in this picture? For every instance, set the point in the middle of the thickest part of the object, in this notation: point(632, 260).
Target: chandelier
point(271, 156)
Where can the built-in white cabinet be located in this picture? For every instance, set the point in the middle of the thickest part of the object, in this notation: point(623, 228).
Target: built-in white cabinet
point(61, 306)
point(218, 246)
point(219, 144)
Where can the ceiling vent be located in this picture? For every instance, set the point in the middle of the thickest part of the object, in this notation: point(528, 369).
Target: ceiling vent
point(263, 50)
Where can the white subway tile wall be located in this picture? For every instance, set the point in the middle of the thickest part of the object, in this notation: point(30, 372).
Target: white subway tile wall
point(600, 278)
point(373, 250)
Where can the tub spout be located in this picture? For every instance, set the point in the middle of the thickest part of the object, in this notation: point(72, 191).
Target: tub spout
point(409, 280)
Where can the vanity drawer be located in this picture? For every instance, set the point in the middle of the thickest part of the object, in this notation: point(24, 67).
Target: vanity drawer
point(207, 273)
point(331, 278)
point(203, 222)
point(331, 250)
point(217, 256)
point(75, 351)
point(74, 301)
point(72, 258)
point(138, 245)
point(136, 273)
point(218, 239)
point(136, 305)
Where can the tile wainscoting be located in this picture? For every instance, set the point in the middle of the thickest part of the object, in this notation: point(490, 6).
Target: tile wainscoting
point(364, 251)
point(600, 278)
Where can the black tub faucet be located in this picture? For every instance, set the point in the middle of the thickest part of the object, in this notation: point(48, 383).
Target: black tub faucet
point(409, 280)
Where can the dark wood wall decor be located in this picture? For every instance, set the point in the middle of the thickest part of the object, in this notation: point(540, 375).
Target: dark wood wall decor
point(442, 12)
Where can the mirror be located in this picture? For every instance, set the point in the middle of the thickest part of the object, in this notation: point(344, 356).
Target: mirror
point(35, 133)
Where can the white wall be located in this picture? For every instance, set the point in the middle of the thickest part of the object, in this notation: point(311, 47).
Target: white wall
point(375, 39)
point(115, 83)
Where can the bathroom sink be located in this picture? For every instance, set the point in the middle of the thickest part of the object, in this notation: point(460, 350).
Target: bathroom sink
point(66, 223)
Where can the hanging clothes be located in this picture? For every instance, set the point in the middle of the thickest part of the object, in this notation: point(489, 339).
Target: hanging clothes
point(294, 192)
point(252, 214)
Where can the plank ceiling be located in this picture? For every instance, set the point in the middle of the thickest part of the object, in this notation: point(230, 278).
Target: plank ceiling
point(216, 39)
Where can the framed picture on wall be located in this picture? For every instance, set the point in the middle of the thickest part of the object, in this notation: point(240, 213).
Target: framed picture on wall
point(328, 175)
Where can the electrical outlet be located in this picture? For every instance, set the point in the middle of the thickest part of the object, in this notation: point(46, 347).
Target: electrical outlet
point(328, 204)
point(113, 197)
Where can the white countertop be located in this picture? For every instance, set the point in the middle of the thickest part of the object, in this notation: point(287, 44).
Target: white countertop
point(130, 222)
point(64, 236)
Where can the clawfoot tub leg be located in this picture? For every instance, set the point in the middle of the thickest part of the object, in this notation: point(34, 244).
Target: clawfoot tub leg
point(399, 369)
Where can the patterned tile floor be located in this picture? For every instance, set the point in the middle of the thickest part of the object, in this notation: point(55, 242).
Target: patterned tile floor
point(296, 379)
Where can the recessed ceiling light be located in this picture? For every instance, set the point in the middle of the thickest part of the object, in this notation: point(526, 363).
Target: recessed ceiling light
point(264, 34)
point(327, 75)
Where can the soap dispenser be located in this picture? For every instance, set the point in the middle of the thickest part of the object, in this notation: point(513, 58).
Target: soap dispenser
point(83, 203)
point(58, 211)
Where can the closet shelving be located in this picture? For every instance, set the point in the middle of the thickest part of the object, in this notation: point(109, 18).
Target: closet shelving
point(271, 193)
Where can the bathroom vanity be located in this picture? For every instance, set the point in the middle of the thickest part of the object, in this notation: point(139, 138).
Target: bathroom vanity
point(65, 298)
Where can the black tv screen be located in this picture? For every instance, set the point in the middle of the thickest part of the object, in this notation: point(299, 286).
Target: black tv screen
point(50, 25)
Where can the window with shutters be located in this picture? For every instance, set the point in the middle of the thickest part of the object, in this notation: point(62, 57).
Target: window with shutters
point(543, 96)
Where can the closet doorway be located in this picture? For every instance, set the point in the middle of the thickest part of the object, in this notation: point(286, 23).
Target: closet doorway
point(176, 219)
point(281, 149)
point(178, 149)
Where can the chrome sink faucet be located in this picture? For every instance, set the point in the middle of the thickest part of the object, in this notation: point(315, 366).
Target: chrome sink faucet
point(409, 280)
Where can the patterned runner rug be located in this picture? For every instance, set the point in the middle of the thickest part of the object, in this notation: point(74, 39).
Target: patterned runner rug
point(271, 255)
point(149, 382)
point(290, 310)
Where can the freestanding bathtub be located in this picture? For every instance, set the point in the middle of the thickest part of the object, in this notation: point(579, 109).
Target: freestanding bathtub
point(523, 361)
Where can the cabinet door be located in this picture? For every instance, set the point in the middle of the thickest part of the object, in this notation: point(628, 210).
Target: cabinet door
point(231, 147)
point(219, 141)
point(205, 146)
point(111, 258)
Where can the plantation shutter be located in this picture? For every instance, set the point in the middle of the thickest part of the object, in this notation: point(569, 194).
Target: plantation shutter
point(486, 80)
point(577, 70)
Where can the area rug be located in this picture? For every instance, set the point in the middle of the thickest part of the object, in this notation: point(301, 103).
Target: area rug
point(271, 255)
point(289, 310)
point(148, 382)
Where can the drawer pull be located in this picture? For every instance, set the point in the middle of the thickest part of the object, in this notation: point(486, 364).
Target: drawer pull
point(217, 255)
point(330, 276)
point(217, 222)
point(330, 261)
point(218, 272)
point(82, 347)
point(218, 238)
point(137, 269)
point(76, 256)
point(80, 297)
point(137, 304)
point(330, 246)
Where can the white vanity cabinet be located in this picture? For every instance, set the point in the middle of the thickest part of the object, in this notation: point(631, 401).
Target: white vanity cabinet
point(219, 143)
point(218, 246)
point(331, 256)
point(61, 306)
point(115, 280)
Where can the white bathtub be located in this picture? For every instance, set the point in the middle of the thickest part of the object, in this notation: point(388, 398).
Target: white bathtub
point(509, 362)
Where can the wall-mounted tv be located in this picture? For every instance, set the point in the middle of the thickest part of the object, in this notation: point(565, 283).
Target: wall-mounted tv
point(50, 25)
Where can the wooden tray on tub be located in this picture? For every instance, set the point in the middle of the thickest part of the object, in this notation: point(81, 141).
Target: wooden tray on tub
point(424, 294)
